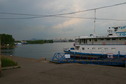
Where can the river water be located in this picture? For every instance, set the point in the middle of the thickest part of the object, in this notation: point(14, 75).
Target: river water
point(38, 51)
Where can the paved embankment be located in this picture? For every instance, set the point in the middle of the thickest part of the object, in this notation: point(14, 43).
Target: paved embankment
point(42, 72)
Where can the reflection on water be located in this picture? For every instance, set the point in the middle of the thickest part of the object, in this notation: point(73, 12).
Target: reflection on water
point(38, 51)
point(7, 51)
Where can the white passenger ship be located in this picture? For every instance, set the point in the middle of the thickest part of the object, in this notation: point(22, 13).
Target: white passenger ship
point(113, 44)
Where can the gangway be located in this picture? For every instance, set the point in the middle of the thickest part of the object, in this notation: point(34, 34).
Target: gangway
point(67, 58)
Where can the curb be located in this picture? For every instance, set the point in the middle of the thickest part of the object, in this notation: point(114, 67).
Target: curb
point(12, 67)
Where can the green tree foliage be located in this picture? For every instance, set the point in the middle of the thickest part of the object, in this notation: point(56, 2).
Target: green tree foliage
point(7, 40)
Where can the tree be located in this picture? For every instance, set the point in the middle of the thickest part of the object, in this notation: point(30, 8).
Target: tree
point(6, 40)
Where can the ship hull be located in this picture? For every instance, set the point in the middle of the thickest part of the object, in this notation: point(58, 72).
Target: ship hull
point(98, 51)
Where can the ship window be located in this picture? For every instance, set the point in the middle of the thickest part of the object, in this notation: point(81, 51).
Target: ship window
point(79, 41)
point(106, 48)
point(95, 39)
point(82, 48)
point(113, 38)
point(89, 39)
point(99, 48)
point(101, 39)
point(108, 39)
point(93, 48)
point(113, 49)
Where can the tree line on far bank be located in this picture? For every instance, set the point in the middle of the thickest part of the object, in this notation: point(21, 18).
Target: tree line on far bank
point(39, 41)
point(7, 41)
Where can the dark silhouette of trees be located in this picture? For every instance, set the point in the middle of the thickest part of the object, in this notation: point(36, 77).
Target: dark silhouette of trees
point(39, 41)
point(7, 41)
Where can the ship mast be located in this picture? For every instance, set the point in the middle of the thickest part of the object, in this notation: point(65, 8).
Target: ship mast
point(94, 22)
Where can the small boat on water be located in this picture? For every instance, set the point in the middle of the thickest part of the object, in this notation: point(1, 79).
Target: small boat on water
point(112, 45)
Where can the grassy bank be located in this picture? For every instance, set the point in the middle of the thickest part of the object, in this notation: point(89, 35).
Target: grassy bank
point(7, 62)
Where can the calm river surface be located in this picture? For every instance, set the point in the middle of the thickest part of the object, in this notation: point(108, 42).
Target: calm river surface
point(39, 50)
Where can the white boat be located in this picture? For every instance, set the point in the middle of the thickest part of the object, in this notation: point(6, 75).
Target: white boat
point(113, 44)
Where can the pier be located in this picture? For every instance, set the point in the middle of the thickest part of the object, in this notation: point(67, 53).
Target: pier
point(108, 60)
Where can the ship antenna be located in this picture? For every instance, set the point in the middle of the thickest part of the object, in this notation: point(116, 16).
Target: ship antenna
point(94, 21)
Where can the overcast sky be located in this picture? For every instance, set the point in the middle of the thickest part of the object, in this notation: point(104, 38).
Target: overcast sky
point(58, 27)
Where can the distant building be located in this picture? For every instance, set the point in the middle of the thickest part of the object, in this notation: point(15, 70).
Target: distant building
point(63, 40)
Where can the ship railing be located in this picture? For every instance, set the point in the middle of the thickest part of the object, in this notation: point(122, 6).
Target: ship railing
point(66, 58)
point(106, 52)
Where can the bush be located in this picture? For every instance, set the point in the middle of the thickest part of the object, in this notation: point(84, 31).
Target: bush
point(6, 62)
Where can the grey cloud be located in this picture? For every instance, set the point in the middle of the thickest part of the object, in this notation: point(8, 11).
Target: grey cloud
point(43, 27)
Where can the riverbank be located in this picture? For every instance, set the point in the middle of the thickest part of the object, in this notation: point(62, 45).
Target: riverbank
point(34, 71)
